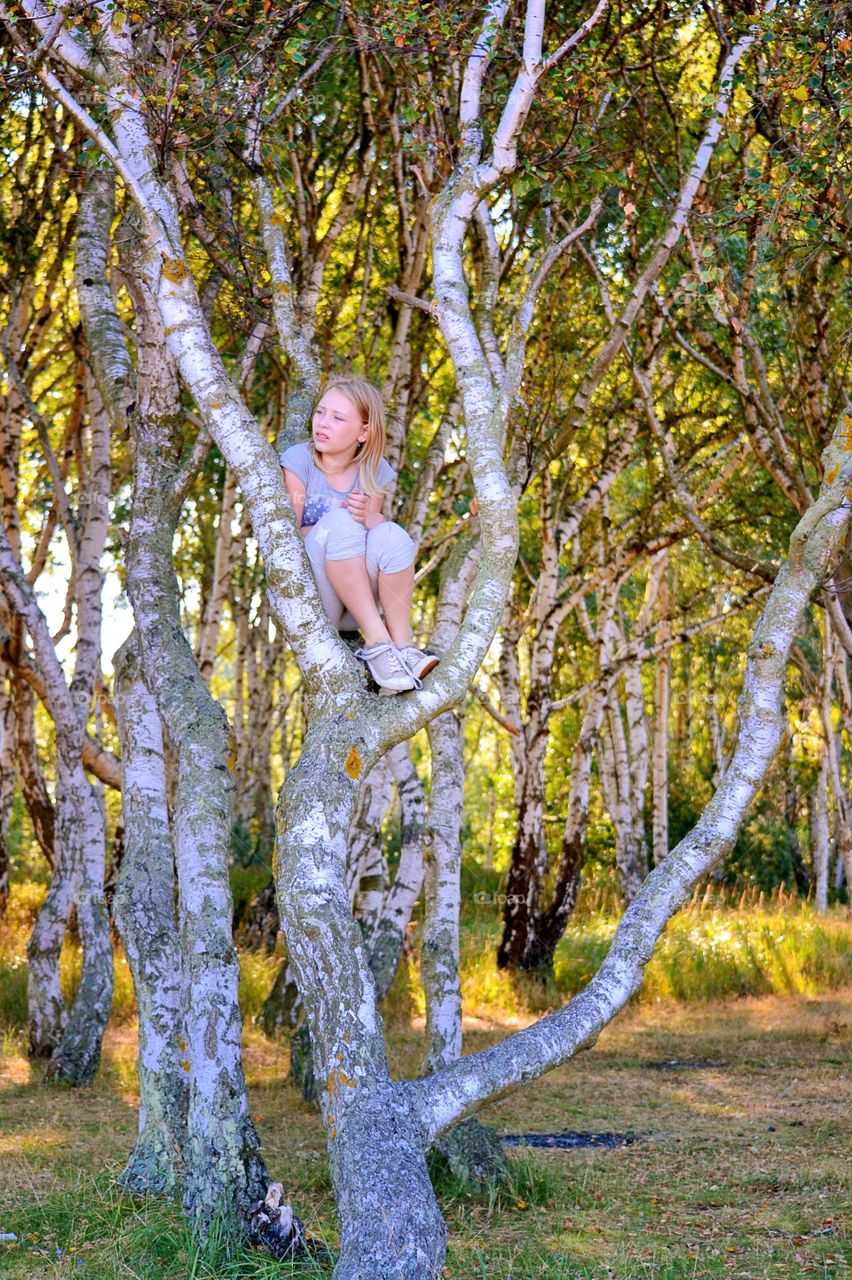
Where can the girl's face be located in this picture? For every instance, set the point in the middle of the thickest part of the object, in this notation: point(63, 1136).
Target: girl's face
point(337, 425)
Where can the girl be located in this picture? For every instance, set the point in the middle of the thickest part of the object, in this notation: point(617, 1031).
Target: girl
point(363, 564)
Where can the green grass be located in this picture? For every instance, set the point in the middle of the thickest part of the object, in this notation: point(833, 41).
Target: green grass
point(707, 954)
point(739, 1172)
point(701, 956)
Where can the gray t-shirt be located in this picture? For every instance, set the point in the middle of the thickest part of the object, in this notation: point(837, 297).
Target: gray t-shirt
point(320, 497)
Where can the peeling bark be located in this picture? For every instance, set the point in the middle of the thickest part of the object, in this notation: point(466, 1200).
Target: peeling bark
point(145, 915)
point(387, 935)
point(225, 1175)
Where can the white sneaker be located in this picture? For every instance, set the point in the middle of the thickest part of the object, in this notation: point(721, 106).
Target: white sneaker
point(388, 669)
point(418, 662)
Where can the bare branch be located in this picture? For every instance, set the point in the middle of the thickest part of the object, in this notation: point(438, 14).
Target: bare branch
point(421, 304)
point(460, 1089)
point(482, 697)
point(578, 37)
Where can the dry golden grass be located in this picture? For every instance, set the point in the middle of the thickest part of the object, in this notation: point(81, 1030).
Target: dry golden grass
point(740, 1168)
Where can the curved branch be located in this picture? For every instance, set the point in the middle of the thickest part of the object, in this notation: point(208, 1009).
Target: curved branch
point(462, 1088)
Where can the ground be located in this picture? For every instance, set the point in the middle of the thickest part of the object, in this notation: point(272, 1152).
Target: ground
point(739, 1167)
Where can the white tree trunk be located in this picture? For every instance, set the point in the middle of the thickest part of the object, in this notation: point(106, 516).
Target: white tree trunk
point(224, 1172)
point(146, 919)
point(388, 933)
point(662, 704)
point(7, 782)
point(819, 833)
point(223, 565)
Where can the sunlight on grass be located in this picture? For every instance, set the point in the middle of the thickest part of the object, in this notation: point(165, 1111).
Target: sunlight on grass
point(703, 955)
point(257, 974)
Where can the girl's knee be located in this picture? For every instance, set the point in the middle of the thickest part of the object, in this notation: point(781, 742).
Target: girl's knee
point(390, 547)
point(344, 536)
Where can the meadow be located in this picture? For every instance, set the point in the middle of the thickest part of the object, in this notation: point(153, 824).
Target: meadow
point(729, 1075)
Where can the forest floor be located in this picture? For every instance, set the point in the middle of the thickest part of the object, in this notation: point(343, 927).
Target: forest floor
point(739, 1167)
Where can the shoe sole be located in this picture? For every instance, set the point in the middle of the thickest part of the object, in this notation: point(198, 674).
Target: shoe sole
point(426, 668)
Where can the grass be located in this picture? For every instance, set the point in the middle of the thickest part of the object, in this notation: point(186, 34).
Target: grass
point(703, 955)
point(709, 951)
point(740, 1168)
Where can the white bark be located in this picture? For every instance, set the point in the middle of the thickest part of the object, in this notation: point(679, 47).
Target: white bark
point(439, 961)
point(223, 565)
point(378, 1131)
point(7, 783)
point(388, 931)
point(820, 851)
point(366, 870)
point(145, 915)
point(224, 1171)
point(819, 833)
point(662, 704)
point(79, 860)
point(623, 760)
point(460, 1089)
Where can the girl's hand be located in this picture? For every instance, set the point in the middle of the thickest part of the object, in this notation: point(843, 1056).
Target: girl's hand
point(358, 506)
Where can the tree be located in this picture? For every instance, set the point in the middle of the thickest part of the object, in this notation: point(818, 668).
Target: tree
point(380, 1130)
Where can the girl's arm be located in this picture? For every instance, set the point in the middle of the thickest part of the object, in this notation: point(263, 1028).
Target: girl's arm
point(296, 490)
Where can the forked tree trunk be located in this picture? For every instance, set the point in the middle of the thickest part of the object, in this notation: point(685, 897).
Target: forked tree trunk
point(225, 1176)
point(378, 1131)
point(390, 1222)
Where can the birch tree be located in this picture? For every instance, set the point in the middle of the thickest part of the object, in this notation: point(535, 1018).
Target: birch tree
point(71, 1041)
point(379, 1130)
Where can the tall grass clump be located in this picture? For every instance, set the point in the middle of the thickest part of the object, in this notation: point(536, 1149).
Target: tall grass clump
point(705, 954)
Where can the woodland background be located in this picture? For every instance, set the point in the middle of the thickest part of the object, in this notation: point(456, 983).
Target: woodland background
point(657, 488)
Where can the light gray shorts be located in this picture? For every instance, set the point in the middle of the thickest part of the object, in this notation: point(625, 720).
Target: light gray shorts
point(337, 536)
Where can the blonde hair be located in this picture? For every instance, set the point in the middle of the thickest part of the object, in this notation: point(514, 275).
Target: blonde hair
point(371, 410)
point(370, 407)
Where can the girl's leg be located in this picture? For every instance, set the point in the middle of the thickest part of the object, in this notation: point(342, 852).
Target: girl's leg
point(342, 542)
point(396, 592)
point(364, 570)
point(390, 567)
point(315, 544)
point(351, 583)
